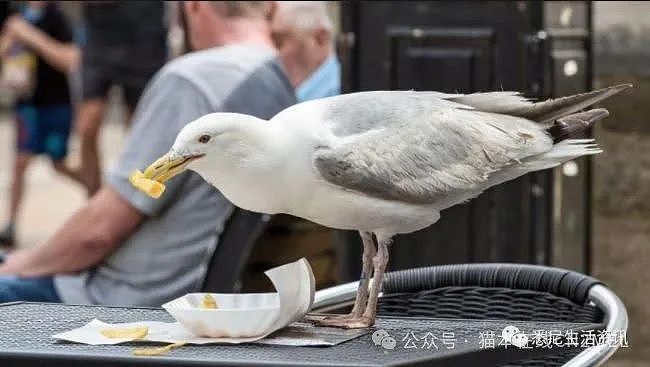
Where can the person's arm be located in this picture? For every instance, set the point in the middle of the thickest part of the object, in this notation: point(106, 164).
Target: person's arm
point(117, 209)
point(63, 56)
point(88, 237)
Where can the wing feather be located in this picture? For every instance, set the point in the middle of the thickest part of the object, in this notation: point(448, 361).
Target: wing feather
point(417, 147)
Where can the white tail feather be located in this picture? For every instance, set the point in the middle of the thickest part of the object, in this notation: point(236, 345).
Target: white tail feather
point(561, 152)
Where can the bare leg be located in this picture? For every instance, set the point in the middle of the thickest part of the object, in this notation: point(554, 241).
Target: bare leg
point(17, 185)
point(379, 262)
point(87, 124)
point(61, 168)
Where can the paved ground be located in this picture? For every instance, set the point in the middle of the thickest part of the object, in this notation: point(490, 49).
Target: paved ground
point(49, 198)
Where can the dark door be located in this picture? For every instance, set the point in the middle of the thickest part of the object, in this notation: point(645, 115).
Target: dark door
point(458, 46)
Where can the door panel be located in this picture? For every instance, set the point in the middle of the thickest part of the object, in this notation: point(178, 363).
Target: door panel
point(465, 47)
point(447, 60)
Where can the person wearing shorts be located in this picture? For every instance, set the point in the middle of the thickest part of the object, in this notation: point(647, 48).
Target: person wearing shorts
point(43, 114)
point(126, 44)
point(44, 130)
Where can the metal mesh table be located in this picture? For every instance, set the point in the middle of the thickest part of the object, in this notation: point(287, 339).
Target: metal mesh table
point(26, 330)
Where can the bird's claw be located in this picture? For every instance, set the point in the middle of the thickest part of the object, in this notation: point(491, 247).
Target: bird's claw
point(318, 318)
point(345, 321)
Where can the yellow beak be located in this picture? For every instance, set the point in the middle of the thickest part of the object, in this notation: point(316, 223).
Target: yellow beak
point(168, 166)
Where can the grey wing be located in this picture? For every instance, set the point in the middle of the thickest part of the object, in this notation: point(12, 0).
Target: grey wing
point(418, 149)
point(356, 113)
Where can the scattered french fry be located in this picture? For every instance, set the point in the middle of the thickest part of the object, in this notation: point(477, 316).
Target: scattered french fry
point(150, 187)
point(208, 302)
point(156, 351)
point(124, 333)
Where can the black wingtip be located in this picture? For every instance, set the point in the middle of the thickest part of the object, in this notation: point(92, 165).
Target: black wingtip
point(553, 109)
point(571, 125)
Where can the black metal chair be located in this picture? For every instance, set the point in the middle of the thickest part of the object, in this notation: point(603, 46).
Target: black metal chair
point(241, 232)
point(496, 291)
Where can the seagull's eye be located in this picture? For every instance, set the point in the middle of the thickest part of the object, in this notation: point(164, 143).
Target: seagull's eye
point(204, 139)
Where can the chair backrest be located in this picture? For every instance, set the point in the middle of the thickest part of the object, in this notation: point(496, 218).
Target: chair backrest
point(241, 232)
point(490, 291)
point(498, 291)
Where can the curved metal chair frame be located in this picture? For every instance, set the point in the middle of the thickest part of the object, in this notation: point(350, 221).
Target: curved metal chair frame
point(569, 284)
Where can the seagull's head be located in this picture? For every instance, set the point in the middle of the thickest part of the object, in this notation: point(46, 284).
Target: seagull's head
point(205, 141)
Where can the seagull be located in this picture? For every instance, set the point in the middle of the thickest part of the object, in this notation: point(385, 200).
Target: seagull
point(380, 162)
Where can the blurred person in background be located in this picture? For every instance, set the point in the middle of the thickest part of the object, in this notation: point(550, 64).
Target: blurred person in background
point(37, 53)
point(125, 44)
point(304, 35)
point(124, 247)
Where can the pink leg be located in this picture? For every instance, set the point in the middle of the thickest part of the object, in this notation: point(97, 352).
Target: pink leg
point(369, 252)
point(379, 261)
point(361, 300)
point(354, 320)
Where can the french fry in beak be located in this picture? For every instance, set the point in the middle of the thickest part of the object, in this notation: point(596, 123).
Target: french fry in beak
point(150, 187)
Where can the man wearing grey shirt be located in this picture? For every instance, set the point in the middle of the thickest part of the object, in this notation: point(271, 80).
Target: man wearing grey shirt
point(123, 247)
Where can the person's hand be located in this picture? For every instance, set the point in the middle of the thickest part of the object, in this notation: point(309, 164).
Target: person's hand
point(15, 263)
point(7, 37)
point(16, 27)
